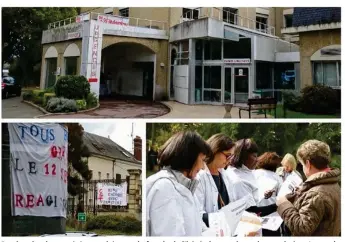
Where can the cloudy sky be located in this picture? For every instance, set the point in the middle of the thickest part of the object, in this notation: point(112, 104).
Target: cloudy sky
point(119, 131)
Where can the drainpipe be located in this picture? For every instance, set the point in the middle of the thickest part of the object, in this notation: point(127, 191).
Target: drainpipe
point(113, 169)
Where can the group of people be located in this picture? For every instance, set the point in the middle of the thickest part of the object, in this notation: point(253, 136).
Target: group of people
point(200, 177)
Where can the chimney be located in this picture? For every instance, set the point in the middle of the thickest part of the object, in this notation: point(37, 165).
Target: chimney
point(137, 148)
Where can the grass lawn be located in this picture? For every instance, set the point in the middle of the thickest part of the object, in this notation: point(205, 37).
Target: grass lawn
point(103, 231)
point(293, 114)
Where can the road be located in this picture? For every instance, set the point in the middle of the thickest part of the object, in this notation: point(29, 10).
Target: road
point(14, 108)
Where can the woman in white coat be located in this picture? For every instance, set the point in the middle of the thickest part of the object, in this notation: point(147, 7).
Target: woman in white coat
point(242, 165)
point(215, 190)
point(171, 207)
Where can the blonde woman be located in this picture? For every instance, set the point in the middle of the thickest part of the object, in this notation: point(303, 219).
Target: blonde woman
point(289, 165)
point(314, 208)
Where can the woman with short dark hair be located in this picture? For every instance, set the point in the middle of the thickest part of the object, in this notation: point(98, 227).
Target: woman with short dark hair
point(215, 189)
point(172, 209)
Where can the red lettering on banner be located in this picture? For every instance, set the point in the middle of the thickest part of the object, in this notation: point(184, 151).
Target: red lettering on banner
point(93, 79)
point(39, 200)
point(19, 199)
point(30, 201)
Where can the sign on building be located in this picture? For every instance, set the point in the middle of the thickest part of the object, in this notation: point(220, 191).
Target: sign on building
point(113, 20)
point(236, 61)
point(111, 194)
point(39, 169)
point(74, 35)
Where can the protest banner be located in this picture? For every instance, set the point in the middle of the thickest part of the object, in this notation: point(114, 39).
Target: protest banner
point(112, 194)
point(39, 169)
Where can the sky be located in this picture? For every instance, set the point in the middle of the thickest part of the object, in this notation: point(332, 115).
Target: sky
point(119, 131)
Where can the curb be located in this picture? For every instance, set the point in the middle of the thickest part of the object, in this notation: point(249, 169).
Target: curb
point(46, 113)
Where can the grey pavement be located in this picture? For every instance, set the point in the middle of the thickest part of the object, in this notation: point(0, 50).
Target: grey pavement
point(14, 108)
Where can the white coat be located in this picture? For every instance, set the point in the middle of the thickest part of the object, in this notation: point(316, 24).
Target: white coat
point(245, 183)
point(207, 192)
point(260, 176)
point(171, 208)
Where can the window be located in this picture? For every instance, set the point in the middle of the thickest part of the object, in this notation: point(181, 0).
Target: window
point(124, 12)
point(212, 77)
point(71, 66)
point(189, 13)
point(108, 175)
point(198, 83)
point(261, 22)
point(8, 80)
point(238, 50)
point(230, 15)
point(91, 172)
point(263, 75)
point(284, 76)
point(99, 175)
point(213, 50)
point(198, 49)
point(288, 20)
point(327, 73)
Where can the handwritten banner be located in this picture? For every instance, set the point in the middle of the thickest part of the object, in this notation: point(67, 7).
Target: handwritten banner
point(111, 194)
point(39, 169)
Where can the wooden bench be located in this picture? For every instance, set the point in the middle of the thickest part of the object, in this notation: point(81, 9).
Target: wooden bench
point(260, 104)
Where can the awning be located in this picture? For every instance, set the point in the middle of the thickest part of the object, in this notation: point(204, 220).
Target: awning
point(328, 53)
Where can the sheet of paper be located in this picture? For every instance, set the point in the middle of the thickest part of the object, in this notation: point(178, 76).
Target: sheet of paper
point(218, 225)
point(288, 186)
point(250, 225)
point(234, 211)
point(272, 222)
point(265, 184)
point(225, 221)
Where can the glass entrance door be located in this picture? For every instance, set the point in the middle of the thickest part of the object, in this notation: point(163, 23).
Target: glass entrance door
point(212, 84)
point(51, 66)
point(241, 83)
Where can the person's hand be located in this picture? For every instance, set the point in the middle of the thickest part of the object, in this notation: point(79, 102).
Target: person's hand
point(268, 194)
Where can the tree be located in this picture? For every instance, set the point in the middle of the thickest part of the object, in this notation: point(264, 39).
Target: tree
point(77, 167)
point(22, 35)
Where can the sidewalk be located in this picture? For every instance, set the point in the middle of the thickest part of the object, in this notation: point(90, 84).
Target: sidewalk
point(179, 111)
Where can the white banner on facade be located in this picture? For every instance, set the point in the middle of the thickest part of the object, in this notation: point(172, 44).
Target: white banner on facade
point(108, 19)
point(112, 194)
point(39, 169)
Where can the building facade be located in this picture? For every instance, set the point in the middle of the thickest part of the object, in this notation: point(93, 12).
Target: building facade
point(319, 31)
point(191, 55)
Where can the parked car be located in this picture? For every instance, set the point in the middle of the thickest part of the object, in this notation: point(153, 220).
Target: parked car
point(10, 87)
point(72, 234)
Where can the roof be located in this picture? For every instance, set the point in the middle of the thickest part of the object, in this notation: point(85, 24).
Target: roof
point(103, 146)
point(315, 16)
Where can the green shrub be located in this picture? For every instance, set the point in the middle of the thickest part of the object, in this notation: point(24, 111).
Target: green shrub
point(91, 100)
point(318, 99)
point(72, 87)
point(47, 97)
point(28, 95)
point(292, 100)
point(38, 93)
point(61, 105)
point(113, 222)
point(81, 104)
point(50, 90)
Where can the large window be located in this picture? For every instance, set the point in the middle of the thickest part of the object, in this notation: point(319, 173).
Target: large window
point(124, 12)
point(288, 20)
point(284, 76)
point(198, 49)
point(71, 65)
point(263, 75)
point(230, 15)
point(213, 50)
point(198, 83)
point(212, 77)
point(327, 73)
point(261, 22)
point(189, 13)
point(238, 50)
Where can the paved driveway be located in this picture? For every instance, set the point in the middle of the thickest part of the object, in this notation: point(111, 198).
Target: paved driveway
point(14, 108)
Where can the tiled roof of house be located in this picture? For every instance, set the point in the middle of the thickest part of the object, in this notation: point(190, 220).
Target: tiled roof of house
point(103, 146)
point(313, 16)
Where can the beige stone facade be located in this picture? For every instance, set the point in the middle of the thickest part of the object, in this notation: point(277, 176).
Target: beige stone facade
point(159, 47)
point(60, 48)
point(310, 42)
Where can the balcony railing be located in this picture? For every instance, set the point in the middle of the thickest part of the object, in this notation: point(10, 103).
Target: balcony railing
point(228, 17)
point(129, 21)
